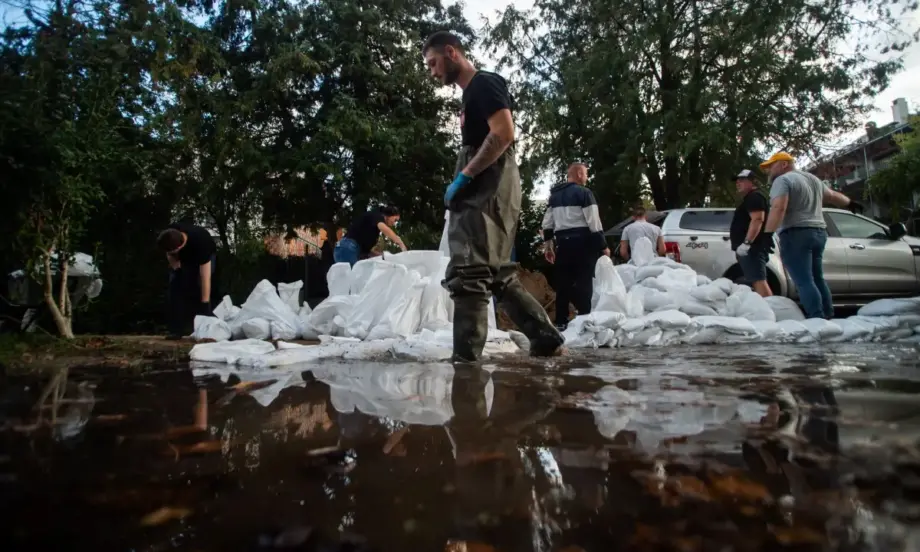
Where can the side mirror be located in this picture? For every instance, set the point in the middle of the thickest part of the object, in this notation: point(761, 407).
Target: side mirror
point(897, 230)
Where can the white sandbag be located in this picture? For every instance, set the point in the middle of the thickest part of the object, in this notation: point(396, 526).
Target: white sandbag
point(280, 330)
point(891, 307)
point(821, 329)
point(709, 293)
point(627, 274)
point(769, 332)
point(740, 288)
point(649, 271)
point(606, 281)
point(879, 326)
point(699, 335)
point(257, 328)
point(642, 252)
point(899, 334)
point(654, 300)
point(361, 273)
point(784, 308)
point(290, 293)
point(228, 352)
point(307, 331)
point(908, 320)
point(728, 324)
point(226, 311)
point(793, 330)
point(853, 331)
point(649, 337)
point(403, 316)
point(702, 280)
point(426, 263)
point(383, 287)
point(323, 317)
point(667, 320)
point(695, 307)
point(210, 328)
point(436, 306)
point(444, 246)
point(607, 319)
point(725, 285)
point(679, 281)
point(338, 278)
point(264, 303)
point(749, 305)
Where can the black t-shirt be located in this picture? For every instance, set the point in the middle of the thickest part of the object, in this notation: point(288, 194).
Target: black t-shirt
point(752, 202)
point(199, 246)
point(486, 94)
point(364, 230)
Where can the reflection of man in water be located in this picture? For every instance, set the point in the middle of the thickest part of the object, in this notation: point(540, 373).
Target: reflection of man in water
point(494, 478)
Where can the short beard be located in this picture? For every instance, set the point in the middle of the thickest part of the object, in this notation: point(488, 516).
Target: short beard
point(451, 71)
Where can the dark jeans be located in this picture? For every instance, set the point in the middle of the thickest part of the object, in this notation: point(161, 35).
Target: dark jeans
point(347, 251)
point(184, 297)
point(574, 273)
point(802, 252)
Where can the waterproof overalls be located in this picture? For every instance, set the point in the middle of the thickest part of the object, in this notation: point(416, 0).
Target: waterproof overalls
point(483, 222)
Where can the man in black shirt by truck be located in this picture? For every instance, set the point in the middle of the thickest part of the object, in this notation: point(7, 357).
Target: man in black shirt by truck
point(748, 240)
point(485, 204)
point(190, 251)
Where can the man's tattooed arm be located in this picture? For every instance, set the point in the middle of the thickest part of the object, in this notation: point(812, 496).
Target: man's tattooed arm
point(491, 149)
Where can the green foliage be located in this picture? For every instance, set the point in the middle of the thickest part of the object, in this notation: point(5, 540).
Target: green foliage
point(897, 183)
point(679, 95)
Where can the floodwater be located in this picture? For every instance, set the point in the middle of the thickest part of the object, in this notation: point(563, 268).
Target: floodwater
point(684, 449)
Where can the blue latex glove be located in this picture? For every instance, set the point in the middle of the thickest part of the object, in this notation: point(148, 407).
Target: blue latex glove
point(455, 186)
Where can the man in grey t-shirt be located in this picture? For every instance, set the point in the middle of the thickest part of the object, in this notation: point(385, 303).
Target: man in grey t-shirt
point(797, 215)
point(640, 228)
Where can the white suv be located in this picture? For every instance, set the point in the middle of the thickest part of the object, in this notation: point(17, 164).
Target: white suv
point(864, 260)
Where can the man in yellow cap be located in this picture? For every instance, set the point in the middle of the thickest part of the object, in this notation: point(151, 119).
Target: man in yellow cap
point(797, 216)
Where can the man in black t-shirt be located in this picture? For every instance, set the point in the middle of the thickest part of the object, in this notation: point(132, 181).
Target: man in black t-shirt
point(485, 203)
point(191, 254)
point(363, 233)
point(749, 242)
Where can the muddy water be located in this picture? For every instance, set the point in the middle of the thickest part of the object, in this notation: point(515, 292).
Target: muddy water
point(743, 448)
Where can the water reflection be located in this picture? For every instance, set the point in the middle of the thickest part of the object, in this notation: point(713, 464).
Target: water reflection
point(621, 455)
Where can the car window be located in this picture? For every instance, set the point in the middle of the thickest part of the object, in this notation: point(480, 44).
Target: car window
point(706, 221)
point(853, 227)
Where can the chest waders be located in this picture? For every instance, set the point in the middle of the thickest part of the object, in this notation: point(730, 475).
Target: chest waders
point(483, 223)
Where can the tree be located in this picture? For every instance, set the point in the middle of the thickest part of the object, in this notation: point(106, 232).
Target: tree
point(898, 182)
point(679, 94)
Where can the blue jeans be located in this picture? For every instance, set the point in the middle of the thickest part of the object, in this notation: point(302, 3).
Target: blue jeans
point(802, 252)
point(346, 251)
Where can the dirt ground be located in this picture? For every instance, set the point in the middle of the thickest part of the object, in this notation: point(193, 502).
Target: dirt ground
point(536, 284)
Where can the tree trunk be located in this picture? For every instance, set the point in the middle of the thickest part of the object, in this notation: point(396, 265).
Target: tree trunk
point(61, 310)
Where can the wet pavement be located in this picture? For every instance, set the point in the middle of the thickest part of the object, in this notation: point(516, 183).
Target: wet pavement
point(684, 449)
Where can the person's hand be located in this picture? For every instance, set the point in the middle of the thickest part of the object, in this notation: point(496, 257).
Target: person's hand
point(549, 255)
point(204, 309)
point(743, 250)
point(606, 251)
point(856, 207)
point(459, 182)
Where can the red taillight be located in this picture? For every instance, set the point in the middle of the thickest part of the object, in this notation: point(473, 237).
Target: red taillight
point(672, 251)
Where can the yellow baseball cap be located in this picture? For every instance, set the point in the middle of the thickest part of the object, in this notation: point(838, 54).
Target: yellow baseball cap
point(778, 156)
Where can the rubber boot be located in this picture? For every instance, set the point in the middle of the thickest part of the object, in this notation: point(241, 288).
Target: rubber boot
point(532, 320)
point(471, 328)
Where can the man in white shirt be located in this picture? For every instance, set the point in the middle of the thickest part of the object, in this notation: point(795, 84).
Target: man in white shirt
point(640, 228)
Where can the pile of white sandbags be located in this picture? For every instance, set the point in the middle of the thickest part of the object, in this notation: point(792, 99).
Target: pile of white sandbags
point(654, 301)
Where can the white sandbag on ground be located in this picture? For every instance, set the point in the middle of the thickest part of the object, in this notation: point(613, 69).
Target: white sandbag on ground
point(228, 352)
point(323, 318)
point(653, 300)
point(784, 308)
point(264, 303)
point(361, 273)
point(284, 332)
point(211, 328)
point(891, 307)
point(711, 293)
point(290, 294)
point(695, 307)
point(383, 287)
point(793, 331)
point(436, 306)
point(226, 310)
point(257, 328)
point(627, 274)
point(853, 331)
point(769, 332)
point(403, 315)
point(748, 305)
point(426, 263)
point(338, 279)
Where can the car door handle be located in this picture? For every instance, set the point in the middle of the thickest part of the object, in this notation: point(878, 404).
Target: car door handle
point(857, 246)
point(694, 238)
